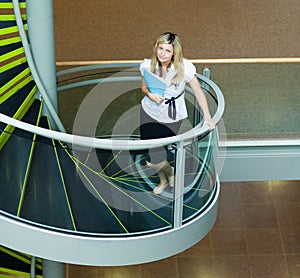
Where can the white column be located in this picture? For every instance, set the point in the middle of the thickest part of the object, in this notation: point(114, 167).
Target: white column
point(40, 21)
point(53, 269)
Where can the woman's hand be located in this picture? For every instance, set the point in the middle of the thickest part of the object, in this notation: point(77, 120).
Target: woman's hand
point(210, 122)
point(156, 98)
point(200, 96)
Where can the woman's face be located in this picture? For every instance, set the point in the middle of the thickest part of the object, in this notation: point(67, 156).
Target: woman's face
point(165, 53)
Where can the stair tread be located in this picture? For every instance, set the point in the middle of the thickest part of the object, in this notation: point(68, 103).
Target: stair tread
point(17, 147)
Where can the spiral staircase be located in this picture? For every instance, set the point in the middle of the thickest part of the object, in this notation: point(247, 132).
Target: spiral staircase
point(86, 203)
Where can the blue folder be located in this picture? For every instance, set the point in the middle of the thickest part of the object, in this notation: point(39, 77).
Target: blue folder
point(154, 83)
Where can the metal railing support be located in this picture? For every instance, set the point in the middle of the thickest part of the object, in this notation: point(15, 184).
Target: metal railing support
point(32, 267)
point(205, 87)
point(179, 185)
point(205, 73)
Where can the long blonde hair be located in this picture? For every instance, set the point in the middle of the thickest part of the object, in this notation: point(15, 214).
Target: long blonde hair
point(177, 59)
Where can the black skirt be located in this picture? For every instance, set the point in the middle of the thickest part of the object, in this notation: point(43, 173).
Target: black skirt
point(152, 129)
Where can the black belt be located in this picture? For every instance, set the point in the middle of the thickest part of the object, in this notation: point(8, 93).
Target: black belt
point(172, 106)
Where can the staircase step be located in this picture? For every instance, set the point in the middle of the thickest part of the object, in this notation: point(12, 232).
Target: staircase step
point(46, 204)
point(9, 47)
point(12, 175)
point(90, 213)
point(11, 106)
point(6, 76)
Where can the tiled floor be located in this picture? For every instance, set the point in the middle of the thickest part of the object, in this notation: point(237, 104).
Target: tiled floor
point(257, 234)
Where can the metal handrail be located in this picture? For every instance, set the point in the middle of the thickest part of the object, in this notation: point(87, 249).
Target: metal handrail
point(117, 144)
point(90, 141)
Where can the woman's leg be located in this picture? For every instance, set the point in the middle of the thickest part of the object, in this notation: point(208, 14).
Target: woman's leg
point(163, 182)
point(151, 129)
point(166, 169)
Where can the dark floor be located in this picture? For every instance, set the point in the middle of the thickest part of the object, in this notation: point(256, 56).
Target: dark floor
point(257, 234)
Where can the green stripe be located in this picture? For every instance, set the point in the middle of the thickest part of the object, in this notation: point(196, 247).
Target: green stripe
point(110, 162)
point(11, 54)
point(15, 89)
point(4, 276)
point(132, 174)
point(145, 191)
point(63, 182)
point(11, 272)
point(11, 6)
point(123, 170)
point(14, 80)
point(13, 64)
point(91, 184)
point(106, 178)
point(9, 30)
point(26, 104)
point(28, 165)
point(104, 202)
point(18, 115)
point(138, 202)
point(11, 17)
point(20, 256)
point(15, 255)
point(10, 41)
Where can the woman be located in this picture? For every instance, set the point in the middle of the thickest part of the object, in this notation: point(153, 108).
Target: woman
point(161, 116)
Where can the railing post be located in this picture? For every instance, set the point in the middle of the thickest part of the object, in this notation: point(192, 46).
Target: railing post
point(204, 86)
point(53, 269)
point(40, 22)
point(179, 186)
point(205, 73)
point(32, 267)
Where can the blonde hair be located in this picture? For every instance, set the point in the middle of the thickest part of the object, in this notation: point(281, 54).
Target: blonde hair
point(177, 59)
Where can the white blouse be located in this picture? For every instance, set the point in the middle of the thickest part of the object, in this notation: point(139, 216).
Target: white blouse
point(159, 112)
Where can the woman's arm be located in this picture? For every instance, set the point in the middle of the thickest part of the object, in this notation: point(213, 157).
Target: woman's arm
point(202, 102)
point(154, 97)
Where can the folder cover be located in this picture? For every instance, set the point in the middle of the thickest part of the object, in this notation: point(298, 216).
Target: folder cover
point(154, 83)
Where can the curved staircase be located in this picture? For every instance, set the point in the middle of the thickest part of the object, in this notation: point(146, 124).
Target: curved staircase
point(65, 197)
